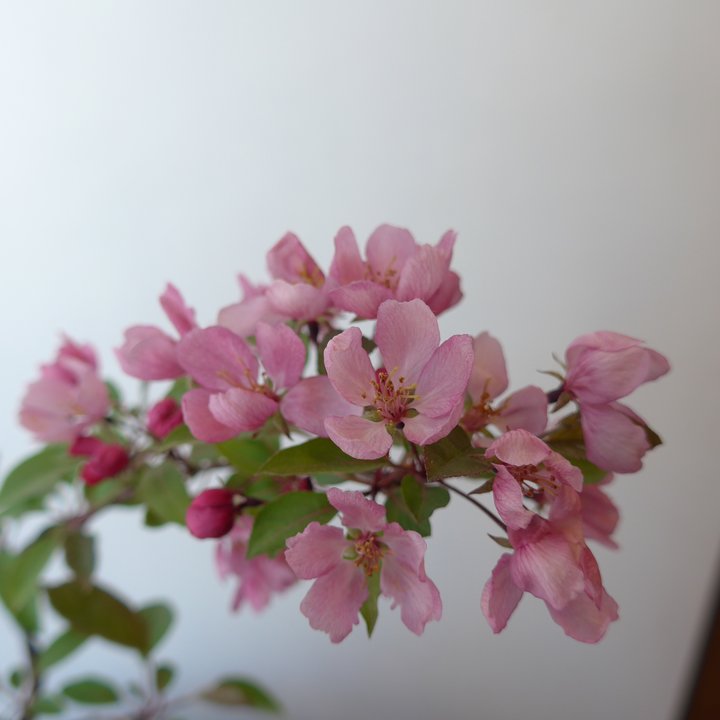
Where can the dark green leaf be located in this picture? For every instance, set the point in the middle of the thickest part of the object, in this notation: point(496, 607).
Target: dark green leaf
point(501, 541)
point(162, 489)
point(180, 435)
point(316, 456)
point(246, 455)
point(369, 610)
point(94, 611)
point(17, 677)
point(413, 504)
point(159, 618)
point(239, 691)
point(284, 517)
point(179, 388)
point(80, 555)
point(114, 393)
point(164, 676)
point(592, 474)
point(91, 692)
point(48, 705)
point(60, 648)
point(36, 476)
point(454, 456)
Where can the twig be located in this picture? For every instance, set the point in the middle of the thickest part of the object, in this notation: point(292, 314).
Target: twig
point(477, 504)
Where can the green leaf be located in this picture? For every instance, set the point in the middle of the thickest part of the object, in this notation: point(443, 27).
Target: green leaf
point(454, 456)
point(60, 648)
point(246, 455)
point(414, 503)
point(162, 489)
point(36, 476)
point(284, 517)
point(105, 492)
point(180, 435)
point(164, 676)
point(239, 691)
point(159, 618)
point(80, 555)
point(501, 541)
point(114, 393)
point(369, 610)
point(21, 572)
point(94, 611)
point(17, 677)
point(179, 388)
point(91, 692)
point(316, 456)
point(48, 705)
point(592, 474)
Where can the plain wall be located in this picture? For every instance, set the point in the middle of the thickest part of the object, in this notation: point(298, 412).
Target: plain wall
point(573, 145)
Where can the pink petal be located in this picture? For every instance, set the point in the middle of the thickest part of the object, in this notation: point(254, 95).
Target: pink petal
point(388, 249)
point(316, 551)
point(658, 365)
point(407, 335)
point(242, 318)
point(357, 512)
point(202, 423)
point(217, 358)
point(362, 297)
point(80, 355)
point(518, 447)
point(583, 620)
point(526, 409)
point(425, 430)
point(333, 602)
point(311, 401)
point(447, 295)
point(442, 382)
point(349, 369)
point(564, 471)
point(179, 314)
point(149, 354)
point(613, 441)
point(508, 498)
point(548, 569)
point(347, 265)
point(242, 410)
point(298, 301)
point(600, 516)
point(500, 595)
point(282, 353)
point(403, 579)
point(289, 260)
point(489, 374)
point(603, 340)
point(422, 274)
point(358, 437)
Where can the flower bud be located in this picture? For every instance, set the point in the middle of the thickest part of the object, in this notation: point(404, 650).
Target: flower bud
point(164, 417)
point(211, 514)
point(105, 462)
point(85, 446)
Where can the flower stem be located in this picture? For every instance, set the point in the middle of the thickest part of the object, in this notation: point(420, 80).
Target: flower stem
point(475, 502)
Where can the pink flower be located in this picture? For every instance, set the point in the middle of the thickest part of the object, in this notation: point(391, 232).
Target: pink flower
point(602, 368)
point(420, 389)
point(69, 397)
point(163, 417)
point(232, 399)
point(148, 353)
point(259, 577)
point(396, 268)
point(527, 467)
point(342, 564)
point(106, 460)
point(211, 514)
point(243, 317)
point(600, 515)
point(552, 562)
point(526, 408)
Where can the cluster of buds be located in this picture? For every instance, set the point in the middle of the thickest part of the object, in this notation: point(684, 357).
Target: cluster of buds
point(395, 412)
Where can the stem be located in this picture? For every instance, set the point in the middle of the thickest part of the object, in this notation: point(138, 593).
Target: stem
point(476, 503)
point(35, 680)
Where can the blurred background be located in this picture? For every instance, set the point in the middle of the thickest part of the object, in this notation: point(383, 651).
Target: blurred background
point(573, 145)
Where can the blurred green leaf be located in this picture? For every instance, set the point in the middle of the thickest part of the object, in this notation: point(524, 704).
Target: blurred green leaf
point(36, 476)
point(91, 691)
point(48, 705)
point(159, 618)
point(413, 504)
point(80, 555)
point(180, 435)
point(316, 456)
point(94, 611)
point(162, 489)
point(369, 609)
point(284, 517)
point(454, 456)
point(246, 455)
point(239, 691)
point(60, 648)
point(501, 541)
point(164, 676)
point(179, 388)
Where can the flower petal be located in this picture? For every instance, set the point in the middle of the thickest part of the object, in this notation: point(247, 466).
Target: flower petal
point(508, 498)
point(242, 410)
point(316, 551)
point(583, 620)
point(526, 409)
point(299, 301)
point(359, 437)
point(388, 249)
point(202, 423)
point(500, 595)
point(357, 512)
point(149, 354)
point(425, 430)
point(282, 353)
point(518, 447)
point(242, 318)
point(489, 374)
point(347, 265)
point(422, 274)
point(179, 314)
point(407, 335)
point(289, 260)
point(600, 516)
point(447, 295)
point(349, 369)
point(362, 297)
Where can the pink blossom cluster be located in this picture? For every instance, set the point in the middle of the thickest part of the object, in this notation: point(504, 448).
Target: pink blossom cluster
point(389, 397)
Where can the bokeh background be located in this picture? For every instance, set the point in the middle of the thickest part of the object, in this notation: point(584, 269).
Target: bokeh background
point(573, 145)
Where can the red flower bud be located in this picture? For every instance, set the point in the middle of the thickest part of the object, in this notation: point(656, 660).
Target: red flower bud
point(84, 445)
point(211, 514)
point(106, 461)
point(164, 417)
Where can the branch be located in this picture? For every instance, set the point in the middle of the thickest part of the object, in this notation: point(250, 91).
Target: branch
point(475, 502)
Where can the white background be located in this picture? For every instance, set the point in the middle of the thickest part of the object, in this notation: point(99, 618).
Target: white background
point(573, 145)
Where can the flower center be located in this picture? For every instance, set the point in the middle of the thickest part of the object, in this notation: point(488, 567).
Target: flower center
point(480, 414)
point(533, 480)
point(369, 551)
point(387, 278)
point(392, 401)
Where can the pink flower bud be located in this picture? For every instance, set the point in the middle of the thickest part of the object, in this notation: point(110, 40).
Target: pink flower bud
point(164, 417)
point(106, 462)
point(211, 514)
point(86, 446)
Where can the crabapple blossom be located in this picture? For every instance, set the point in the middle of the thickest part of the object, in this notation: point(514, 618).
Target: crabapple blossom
point(211, 514)
point(106, 459)
point(163, 417)
point(341, 565)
